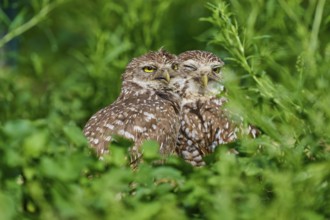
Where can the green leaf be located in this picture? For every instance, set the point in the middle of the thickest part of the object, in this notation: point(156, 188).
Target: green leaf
point(150, 150)
point(35, 144)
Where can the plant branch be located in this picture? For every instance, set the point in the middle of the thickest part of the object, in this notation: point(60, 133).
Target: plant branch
point(29, 24)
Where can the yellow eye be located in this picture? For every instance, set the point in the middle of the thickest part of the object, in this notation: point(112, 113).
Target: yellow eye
point(216, 69)
point(149, 69)
point(175, 66)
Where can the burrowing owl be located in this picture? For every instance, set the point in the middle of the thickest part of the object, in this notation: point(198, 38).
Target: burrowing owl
point(146, 109)
point(204, 122)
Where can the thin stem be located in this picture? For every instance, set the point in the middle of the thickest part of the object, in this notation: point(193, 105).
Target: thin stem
point(316, 25)
point(28, 25)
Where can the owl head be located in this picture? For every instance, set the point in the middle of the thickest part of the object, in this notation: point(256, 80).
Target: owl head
point(201, 71)
point(152, 70)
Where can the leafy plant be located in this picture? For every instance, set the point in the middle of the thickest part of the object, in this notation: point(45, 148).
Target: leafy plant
point(61, 61)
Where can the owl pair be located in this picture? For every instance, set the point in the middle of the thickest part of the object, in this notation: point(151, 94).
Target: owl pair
point(170, 99)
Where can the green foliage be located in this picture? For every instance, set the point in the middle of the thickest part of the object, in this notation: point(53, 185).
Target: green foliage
point(61, 61)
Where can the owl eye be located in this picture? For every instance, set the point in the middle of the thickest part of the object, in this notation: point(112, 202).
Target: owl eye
point(175, 66)
point(190, 67)
point(149, 69)
point(216, 69)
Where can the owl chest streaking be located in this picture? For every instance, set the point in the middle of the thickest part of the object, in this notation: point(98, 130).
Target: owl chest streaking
point(204, 122)
point(204, 125)
point(147, 108)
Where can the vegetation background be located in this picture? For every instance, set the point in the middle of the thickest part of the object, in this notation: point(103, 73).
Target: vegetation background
point(61, 61)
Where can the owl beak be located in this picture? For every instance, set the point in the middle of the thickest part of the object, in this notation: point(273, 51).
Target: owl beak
point(167, 76)
point(204, 80)
point(163, 75)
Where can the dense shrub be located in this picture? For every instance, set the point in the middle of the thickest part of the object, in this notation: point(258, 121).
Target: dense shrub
point(61, 61)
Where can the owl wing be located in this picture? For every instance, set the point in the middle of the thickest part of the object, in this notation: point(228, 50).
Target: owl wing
point(138, 118)
point(105, 123)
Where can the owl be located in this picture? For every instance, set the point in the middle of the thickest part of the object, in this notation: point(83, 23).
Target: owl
point(204, 122)
point(146, 109)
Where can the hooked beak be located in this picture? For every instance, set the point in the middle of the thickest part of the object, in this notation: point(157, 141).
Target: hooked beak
point(204, 80)
point(163, 75)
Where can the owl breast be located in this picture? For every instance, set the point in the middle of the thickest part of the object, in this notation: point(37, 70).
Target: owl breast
point(204, 126)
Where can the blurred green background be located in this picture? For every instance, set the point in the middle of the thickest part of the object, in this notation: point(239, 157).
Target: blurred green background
point(61, 61)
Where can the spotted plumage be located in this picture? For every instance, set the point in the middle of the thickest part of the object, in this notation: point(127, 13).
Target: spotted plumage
point(204, 122)
point(146, 109)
